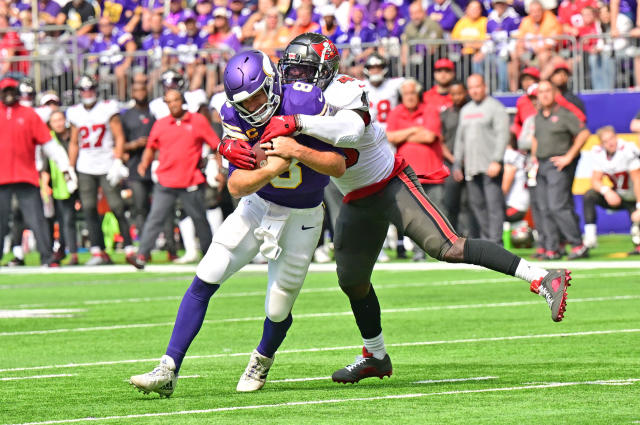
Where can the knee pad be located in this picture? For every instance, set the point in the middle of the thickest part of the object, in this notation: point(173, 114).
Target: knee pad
point(213, 267)
point(279, 303)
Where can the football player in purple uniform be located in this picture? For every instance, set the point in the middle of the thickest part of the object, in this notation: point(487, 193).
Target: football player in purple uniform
point(280, 215)
point(378, 189)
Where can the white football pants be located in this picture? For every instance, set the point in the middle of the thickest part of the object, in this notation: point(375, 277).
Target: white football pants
point(235, 244)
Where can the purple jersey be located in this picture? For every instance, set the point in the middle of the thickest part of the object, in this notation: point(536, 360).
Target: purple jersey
point(204, 20)
point(500, 28)
point(109, 50)
point(446, 14)
point(629, 8)
point(396, 32)
point(174, 18)
point(120, 12)
point(152, 4)
point(155, 45)
point(301, 187)
point(239, 20)
point(187, 46)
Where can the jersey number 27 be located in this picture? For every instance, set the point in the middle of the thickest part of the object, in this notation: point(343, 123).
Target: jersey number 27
point(85, 134)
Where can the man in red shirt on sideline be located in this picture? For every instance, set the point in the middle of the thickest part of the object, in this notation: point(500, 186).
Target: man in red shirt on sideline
point(178, 139)
point(438, 96)
point(22, 130)
point(414, 127)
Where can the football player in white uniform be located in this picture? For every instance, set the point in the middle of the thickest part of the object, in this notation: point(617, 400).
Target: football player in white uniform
point(95, 150)
point(379, 189)
point(620, 162)
point(383, 92)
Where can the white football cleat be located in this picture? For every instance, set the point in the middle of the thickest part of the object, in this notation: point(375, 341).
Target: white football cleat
point(188, 257)
point(255, 375)
point(161, 380)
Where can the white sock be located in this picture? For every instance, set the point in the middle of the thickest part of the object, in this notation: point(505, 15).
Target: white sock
point(527, 271)
point(95, 250)
point(590, 231)
point(188, 232)
point(18, 252)
point(375, 346)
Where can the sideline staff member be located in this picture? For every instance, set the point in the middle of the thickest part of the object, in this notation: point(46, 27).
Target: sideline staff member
point(22, 130)
point(178, 139)
point(559, 136)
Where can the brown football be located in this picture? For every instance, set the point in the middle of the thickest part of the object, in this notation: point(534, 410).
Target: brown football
point(261, 156)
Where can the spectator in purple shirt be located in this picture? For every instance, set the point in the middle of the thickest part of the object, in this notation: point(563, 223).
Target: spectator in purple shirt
point(446, 13)
point(204, 12)
point(239, 15)
point(188, 43)
point(502, 24)
point(124, 14)
point(175, 16)
point(329, 26)
point(150, 8)
point(108, 47)
point(292, 17)
point(159, 41)
point(226, 44)
point(389, 30)
point(47, 10)
point(360, 32)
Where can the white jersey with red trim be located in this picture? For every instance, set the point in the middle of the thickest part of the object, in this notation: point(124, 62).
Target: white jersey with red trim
point(518, 196)
point(369, 159)
point(383, 98)
point(95, 141)
point(194, 99)
point(625, 159)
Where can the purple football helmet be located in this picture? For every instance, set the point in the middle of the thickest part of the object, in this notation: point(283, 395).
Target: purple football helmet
point(245, 75)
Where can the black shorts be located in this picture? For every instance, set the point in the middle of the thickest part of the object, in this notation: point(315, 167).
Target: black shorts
point(362, 227)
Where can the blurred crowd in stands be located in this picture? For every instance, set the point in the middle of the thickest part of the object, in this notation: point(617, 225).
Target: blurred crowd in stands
point(497, 38)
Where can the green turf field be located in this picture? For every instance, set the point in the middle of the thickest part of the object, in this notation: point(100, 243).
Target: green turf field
point(484, 344)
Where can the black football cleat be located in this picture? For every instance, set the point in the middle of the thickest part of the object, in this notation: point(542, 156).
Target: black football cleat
point(365, 366)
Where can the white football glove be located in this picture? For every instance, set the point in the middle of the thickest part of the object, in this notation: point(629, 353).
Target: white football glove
point(211, 171)
point(71, 179)
point(117, 172)
point(154, 167)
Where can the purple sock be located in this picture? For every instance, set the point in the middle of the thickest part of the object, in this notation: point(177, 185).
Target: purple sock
point(190, 317)
point(273, 334)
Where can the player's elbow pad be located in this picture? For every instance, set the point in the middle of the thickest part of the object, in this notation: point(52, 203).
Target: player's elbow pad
point(344, 129)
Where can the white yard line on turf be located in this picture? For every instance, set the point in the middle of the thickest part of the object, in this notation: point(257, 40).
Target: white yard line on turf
point(431, 381)
point(328, 267)
point(311, 402)
point(19, 378)
point(42, 313)
point(438, 381)
point(318, 378)
point(346, 347)
point(317, 315)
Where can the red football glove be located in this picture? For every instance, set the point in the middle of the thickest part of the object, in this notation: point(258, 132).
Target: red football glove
point(282, 125)
point(238, 152)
